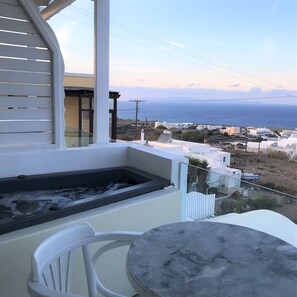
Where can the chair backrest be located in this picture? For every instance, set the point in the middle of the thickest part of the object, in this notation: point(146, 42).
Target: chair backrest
point(52, 260)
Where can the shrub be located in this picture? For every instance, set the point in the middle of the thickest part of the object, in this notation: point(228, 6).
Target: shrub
point(263, 202)
point(198, 174)
point(275, 187)
point(235, 195)
point(227, 206)
point(277, 155)
point(197, 162)
point(193, 127)
point(193, 136)
point(161, 127)
point(127, 138)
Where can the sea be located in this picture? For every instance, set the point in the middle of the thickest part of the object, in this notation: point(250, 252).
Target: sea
point(221, 113)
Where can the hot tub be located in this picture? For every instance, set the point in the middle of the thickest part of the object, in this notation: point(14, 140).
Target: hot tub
point(30, 200)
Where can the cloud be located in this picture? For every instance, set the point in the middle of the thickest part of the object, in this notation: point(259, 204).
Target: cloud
point(255, 90)
point(193, 85)
point(203, 94)
point(140, 79)
point(268, 47)
point(234, 85)
point(65, 33)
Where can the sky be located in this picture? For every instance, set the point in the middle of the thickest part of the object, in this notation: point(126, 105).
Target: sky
point(191, 49)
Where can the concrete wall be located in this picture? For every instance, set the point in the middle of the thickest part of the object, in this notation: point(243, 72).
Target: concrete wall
point(104, 156)
point(49, 161)
point(135, 214)
point(160, 163)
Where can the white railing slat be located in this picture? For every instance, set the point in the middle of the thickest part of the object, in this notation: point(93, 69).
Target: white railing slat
point(25, 65)
point(12, 2)
point(16, 102)
point(25, 77)
point(26, 126)
point(16, 13)
point(26, 138)
point(25, 90)
point(17, 26)
point(22, 39)
point(24, 52)
point(25, 114)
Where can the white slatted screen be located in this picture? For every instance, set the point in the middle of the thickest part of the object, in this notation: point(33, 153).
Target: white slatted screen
point(199, 206)
point(26, 99)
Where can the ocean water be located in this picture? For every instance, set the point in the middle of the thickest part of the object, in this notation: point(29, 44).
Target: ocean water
point(240, 114)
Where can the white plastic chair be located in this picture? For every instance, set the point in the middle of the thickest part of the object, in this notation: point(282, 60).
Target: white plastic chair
point(263, 220)
point(52, 261)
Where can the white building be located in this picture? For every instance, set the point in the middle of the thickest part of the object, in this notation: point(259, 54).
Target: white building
point(218, 161)
point(260, 131)
point(173, 125)
point(284, 145)
point(209, 127)
point(288, 133)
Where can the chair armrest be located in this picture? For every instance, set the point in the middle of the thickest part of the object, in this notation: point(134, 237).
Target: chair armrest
point(117, 239)
point(36, 289)
point(116, 235)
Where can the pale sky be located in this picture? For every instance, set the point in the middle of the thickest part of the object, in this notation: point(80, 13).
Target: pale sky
point(244, 48)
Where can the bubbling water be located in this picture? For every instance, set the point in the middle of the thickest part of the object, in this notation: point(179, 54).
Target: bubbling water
point(20, 204)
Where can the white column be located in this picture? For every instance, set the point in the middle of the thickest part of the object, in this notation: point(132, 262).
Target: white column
point(101, 71)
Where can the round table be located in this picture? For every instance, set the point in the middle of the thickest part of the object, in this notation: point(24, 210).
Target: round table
point(211, 259)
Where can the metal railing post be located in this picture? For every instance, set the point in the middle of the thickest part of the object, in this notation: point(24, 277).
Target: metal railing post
point(183, 187)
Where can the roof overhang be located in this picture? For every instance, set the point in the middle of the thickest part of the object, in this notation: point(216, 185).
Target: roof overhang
point(49, 8)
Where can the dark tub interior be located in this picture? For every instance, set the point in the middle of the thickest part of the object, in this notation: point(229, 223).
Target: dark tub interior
point(29, 200)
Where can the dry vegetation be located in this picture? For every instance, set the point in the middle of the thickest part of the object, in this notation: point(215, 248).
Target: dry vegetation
point(275, 170)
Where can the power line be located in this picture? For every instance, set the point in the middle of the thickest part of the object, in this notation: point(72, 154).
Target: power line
point(186, 52)
point(191, 62)
point(193, 54)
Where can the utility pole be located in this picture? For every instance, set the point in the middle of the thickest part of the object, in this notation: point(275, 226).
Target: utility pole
point(136, 115)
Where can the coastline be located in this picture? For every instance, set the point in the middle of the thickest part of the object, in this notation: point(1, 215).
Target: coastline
point(241, 115)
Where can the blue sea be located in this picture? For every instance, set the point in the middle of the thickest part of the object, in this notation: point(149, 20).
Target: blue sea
point(237, 114)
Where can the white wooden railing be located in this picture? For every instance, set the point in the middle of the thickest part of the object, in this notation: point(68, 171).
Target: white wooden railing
point(31, 78)
point(199, 206)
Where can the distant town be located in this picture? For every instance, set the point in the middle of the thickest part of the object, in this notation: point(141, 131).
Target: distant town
point(265, 156)
point(259, 139)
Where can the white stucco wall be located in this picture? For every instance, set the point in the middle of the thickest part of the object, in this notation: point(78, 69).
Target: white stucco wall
point(140, 213)
point(136, 214)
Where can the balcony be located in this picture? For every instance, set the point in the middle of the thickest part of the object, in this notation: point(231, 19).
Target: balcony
point(226, 193)
point(32, 143)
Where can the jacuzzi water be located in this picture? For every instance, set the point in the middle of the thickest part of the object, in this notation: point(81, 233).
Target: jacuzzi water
point(29, 200)
point(21, 204)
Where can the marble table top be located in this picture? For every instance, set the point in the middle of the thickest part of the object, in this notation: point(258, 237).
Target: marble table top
point(211, 259)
